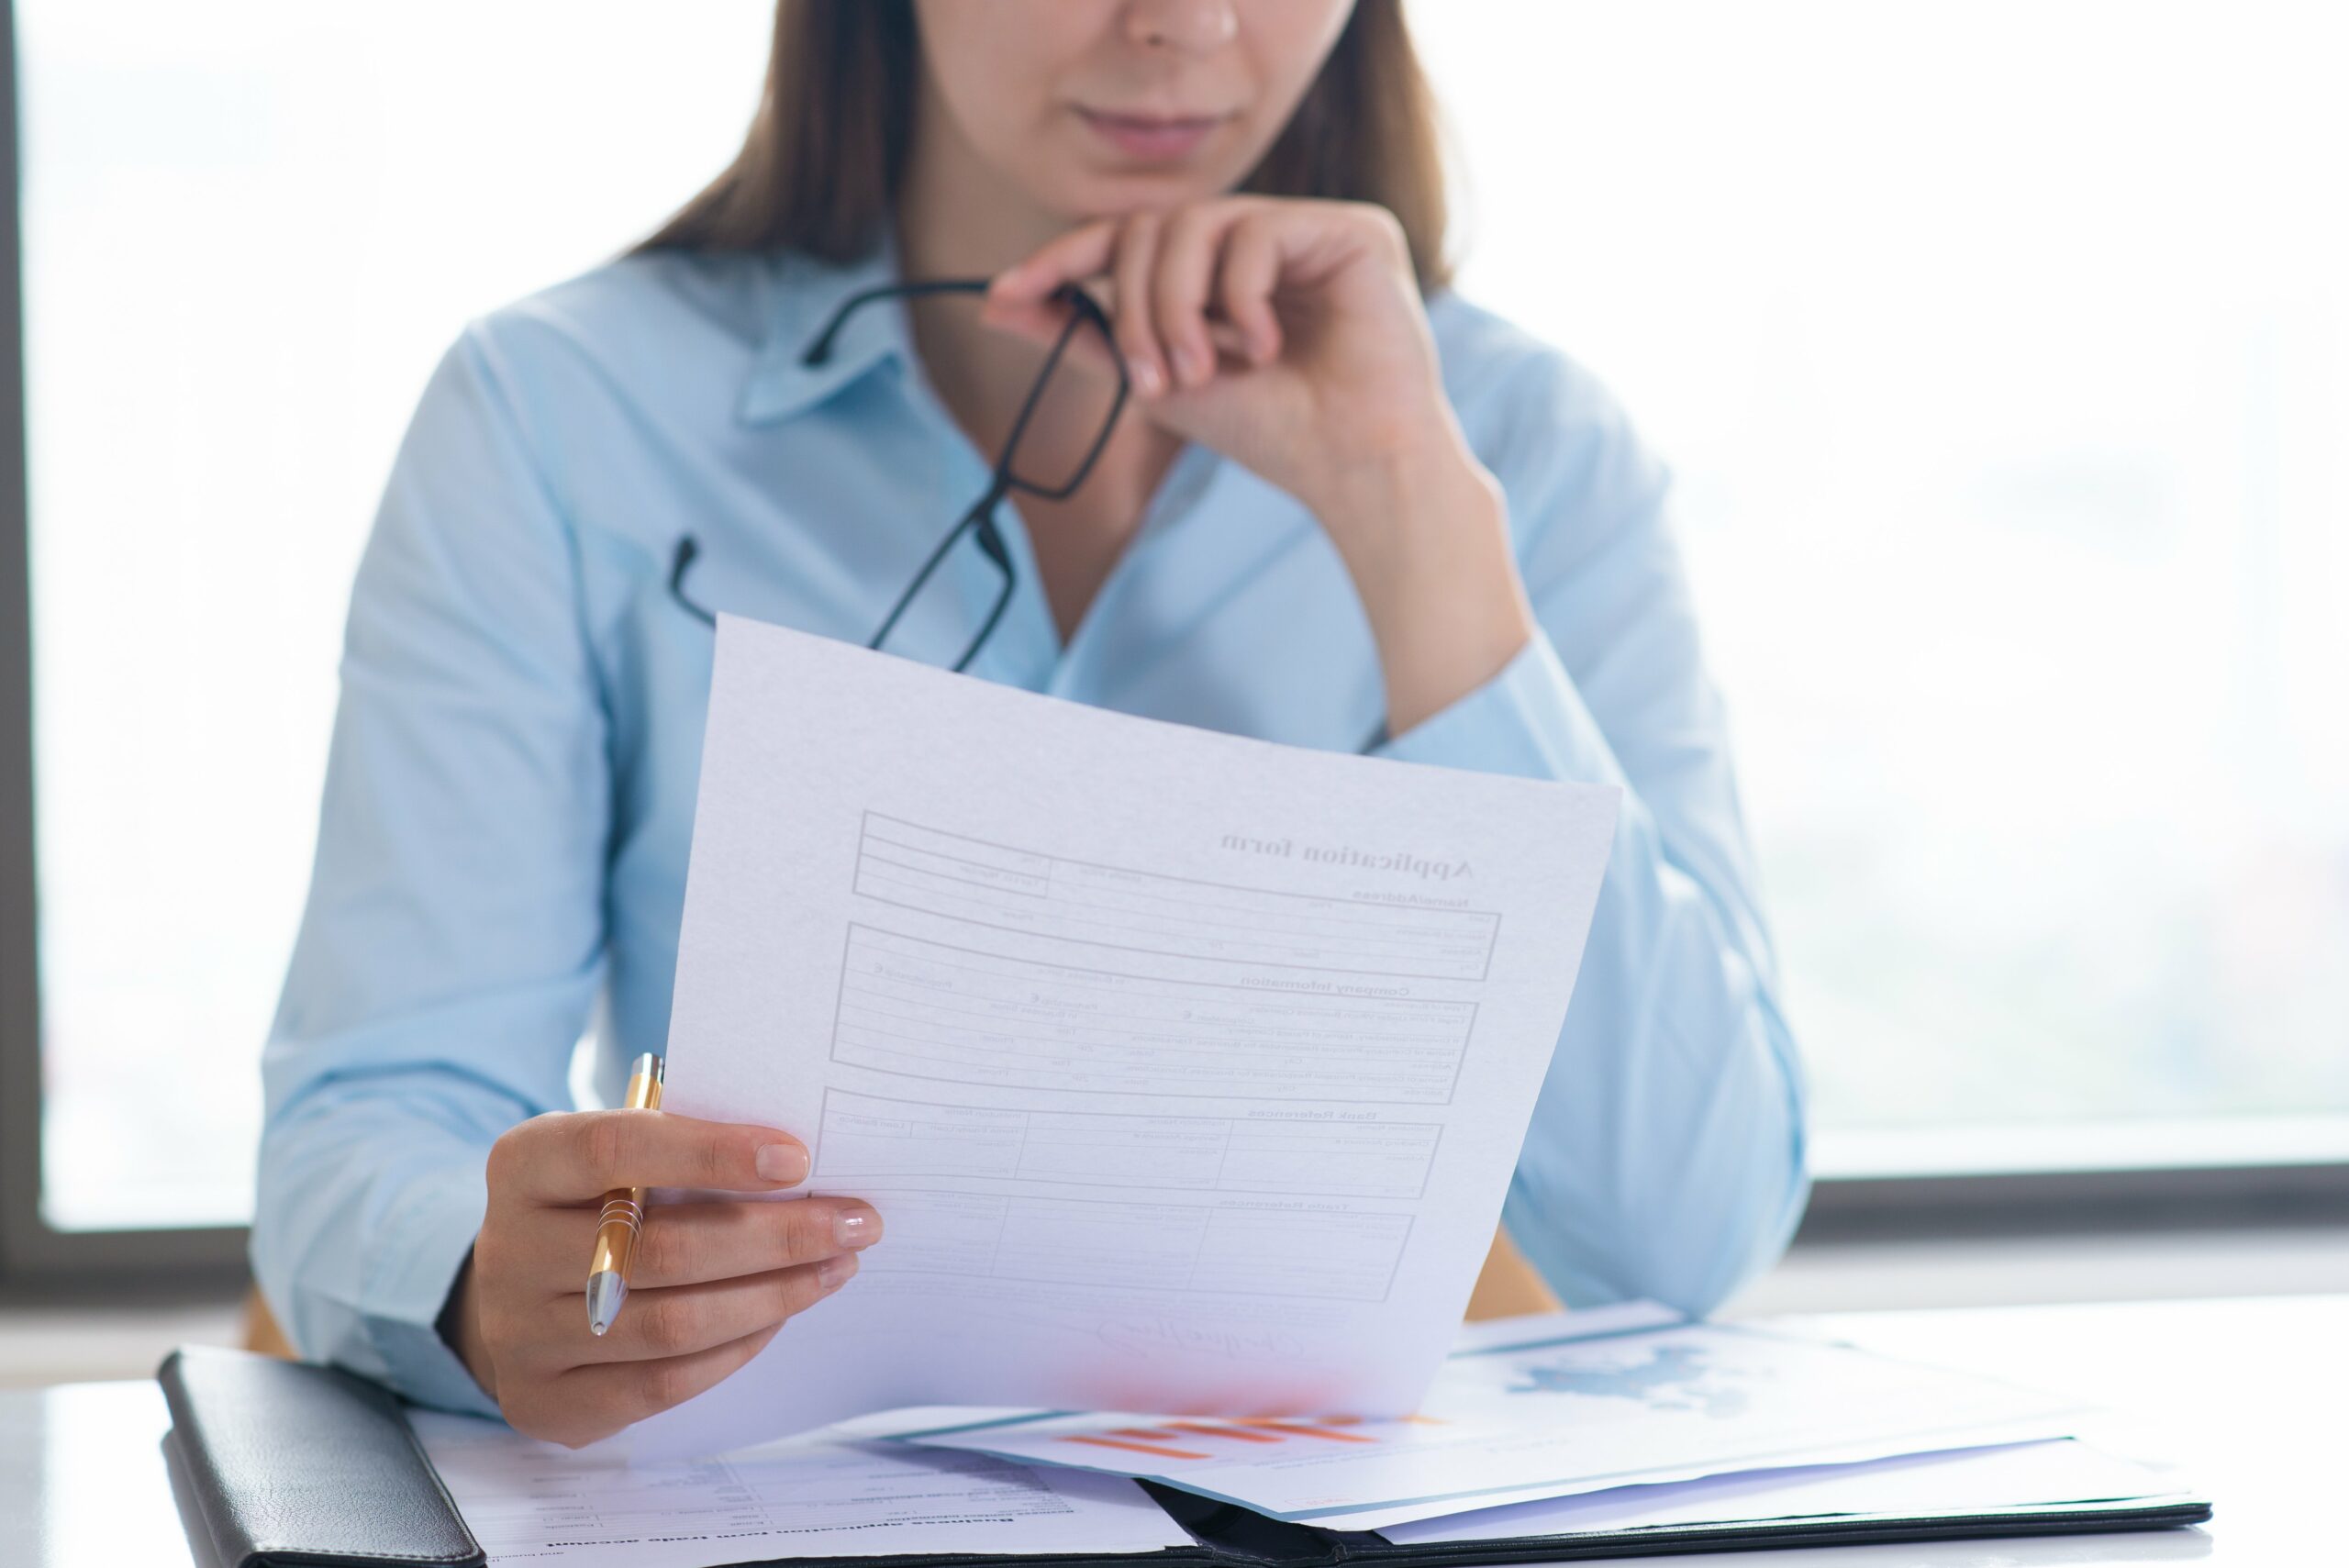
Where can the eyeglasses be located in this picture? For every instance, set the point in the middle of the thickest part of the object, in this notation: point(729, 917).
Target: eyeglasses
point(979, 520)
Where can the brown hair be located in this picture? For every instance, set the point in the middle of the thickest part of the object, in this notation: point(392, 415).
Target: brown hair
point(828, 145)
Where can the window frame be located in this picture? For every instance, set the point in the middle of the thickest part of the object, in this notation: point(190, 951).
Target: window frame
point(207, 1259)
point(32, 1251)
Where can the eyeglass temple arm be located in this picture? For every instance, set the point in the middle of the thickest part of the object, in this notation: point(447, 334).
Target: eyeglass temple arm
point(1082, 309)
point(688, 548)
point(990, 541)
point(820, 348)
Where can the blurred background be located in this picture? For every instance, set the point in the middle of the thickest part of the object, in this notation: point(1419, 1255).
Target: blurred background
point(2001, 353)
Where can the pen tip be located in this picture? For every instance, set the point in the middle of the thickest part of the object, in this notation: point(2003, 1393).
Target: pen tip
point(606, 1291)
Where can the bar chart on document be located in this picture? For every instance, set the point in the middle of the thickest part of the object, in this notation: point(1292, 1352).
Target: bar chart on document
point(1185, 1071)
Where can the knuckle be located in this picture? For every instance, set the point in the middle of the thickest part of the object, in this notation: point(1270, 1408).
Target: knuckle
point(660, 1384)
point(667, 1326)
point(720, 1158)
point(616, 1402)
point(808, 1232)
point(1388, 227)
point(522, 1414)
point(501, 1329)
point(1188, 225)
point(605, 1142)
point(668, 1252)
point(510, 1154)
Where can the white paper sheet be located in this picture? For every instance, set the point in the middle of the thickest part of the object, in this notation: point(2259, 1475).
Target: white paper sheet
point(1557, 1409)
point(533, 1502)
point(1186, 1070)
point(2019, 1475)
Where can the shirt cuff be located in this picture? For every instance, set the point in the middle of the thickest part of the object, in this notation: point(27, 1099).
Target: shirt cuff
point(423, 1246)
point(1528, 720)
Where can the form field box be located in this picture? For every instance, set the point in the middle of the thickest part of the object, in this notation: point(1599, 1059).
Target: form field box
point(1116, 908)
point(866, 1137)
point(927, 1010)
point(1238, 1249)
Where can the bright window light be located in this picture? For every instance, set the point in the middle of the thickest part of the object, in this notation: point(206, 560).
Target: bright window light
point(2002, 351)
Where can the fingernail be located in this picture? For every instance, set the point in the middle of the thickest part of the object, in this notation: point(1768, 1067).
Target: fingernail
point(1145, 377)
point(1189, 365)
point(785, 1163)
point(834, 1273)
point(855, 1227)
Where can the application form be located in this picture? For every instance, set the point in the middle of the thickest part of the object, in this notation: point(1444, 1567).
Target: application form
point(533, 1502)
point(1186, 1070)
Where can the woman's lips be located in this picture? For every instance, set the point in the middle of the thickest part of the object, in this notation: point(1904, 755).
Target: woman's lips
point(1150, 137)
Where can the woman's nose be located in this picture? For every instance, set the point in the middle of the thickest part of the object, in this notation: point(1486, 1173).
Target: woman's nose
point(1191, 25)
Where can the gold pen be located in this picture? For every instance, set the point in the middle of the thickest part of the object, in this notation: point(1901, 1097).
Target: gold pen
point(623, 1214)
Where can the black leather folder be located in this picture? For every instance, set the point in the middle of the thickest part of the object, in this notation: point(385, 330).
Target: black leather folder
point(293, 1464)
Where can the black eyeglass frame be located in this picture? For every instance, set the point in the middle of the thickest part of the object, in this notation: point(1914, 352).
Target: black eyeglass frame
point(979, 520)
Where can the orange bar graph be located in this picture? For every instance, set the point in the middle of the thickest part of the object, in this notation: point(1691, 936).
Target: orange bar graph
point(1296, 1430)
point(1161, 1450)
point(1203, 1429)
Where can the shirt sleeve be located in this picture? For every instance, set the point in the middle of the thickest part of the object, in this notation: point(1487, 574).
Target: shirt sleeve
point(1665, 1157)
point(452, 947)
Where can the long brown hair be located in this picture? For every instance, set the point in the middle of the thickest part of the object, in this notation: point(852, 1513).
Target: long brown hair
point(825, 151)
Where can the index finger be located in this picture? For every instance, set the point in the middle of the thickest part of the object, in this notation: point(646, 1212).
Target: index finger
point(1083, 253)
point(576, 1157)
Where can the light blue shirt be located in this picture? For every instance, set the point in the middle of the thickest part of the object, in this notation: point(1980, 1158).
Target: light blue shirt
point(501, 855)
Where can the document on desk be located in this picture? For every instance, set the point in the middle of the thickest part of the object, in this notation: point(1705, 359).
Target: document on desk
point(2053, 1471)
point(1545, 1407)
point(1186, 1070)
point(532, 1502)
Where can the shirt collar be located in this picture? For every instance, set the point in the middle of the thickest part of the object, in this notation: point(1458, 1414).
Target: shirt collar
point(805, 292)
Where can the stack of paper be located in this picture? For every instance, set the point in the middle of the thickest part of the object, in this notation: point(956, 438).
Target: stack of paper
point(1539, 1408)
point(529, 1501)
point(2055, 1471)
point(1591, 1425)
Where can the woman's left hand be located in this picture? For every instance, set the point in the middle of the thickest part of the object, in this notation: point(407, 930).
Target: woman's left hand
point(1288, 335)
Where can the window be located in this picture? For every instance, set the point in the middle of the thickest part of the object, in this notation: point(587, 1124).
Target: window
point(2002, 352)
point(250, 230)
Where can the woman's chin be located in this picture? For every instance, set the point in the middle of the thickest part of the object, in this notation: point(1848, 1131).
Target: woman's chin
point(1101, 192)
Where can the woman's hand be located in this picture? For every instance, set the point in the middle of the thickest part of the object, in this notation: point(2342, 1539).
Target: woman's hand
point(711, 1282)
point(1288, 335)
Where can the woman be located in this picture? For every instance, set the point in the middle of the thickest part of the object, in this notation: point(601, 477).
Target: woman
point(1340, 500)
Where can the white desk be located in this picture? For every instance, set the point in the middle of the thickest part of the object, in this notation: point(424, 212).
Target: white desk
point(2253, 1395)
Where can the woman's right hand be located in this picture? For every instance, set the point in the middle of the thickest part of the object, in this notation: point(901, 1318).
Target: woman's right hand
point(711, 1282)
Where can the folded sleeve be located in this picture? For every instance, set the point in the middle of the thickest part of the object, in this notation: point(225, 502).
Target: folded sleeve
point(451, 949)
point(1665, 1157)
